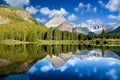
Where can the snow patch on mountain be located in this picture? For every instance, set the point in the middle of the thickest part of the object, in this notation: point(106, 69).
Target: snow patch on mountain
point(60, 22)
point(87, 27)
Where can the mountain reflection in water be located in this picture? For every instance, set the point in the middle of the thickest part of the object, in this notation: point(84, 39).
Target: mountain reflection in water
point(79, 65)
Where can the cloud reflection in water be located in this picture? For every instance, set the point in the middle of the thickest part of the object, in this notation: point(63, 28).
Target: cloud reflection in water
point(92, 68)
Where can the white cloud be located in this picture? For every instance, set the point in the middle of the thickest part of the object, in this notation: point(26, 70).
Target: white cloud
point(94, 58)
point(85, 8)
point(76, 9)
point(101, 3)
point(41, 20)
point(72, 62)
point(51, 13)
point(72, 17)
point(89, 21)
point(32, 9)
point(94, 21)
point(46, 68)
point(112, 74)
point(63, 68)
point(95, 9)
point(88, 7)
point(81, 5)
point(113, 5)
point(114, 17)
point(45, 10)
point(17, 3)
point(112, 63)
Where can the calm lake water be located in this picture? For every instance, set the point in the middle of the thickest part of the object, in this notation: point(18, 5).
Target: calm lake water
point(59, 62)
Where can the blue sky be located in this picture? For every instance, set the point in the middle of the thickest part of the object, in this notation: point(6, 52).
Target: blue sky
point(76, 11)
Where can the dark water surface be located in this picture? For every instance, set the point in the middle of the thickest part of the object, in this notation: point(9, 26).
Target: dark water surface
point(59, 62)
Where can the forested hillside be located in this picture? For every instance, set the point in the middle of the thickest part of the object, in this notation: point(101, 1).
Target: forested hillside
point(18, 24)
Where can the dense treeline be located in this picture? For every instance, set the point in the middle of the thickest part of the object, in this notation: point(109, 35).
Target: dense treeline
point(32, 51)
point(20, 29)
point(30, 32)
point(24, 31)
point(93, 36)
point(21, 52)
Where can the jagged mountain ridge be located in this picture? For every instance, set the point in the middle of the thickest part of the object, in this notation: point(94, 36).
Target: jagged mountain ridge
point(13, 15)
point(60, 60)
point(117, 30)
point(83, 30)
point(97, 29)
point(61, 23)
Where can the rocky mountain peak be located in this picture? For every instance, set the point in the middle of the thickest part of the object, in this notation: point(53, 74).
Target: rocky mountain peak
point(60, 22)
point(56, 21)
point(58, 16)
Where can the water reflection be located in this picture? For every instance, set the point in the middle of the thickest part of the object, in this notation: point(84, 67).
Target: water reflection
point(59, 62)
point(92, 68)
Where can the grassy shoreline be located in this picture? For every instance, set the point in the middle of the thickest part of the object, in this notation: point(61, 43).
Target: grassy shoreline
point(97, 42)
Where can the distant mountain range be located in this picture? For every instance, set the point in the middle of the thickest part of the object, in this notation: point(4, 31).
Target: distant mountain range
point(61, 23)
point(23, 17)
point(60, 60)
point(117, 30)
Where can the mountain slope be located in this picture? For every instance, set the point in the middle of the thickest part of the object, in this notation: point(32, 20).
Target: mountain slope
point(60, 22)
point(15, 15)
point(56, 21)
point(117, 30)
point(18, 24)
point(83, 30)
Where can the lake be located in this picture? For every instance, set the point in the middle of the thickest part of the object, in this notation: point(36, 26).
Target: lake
point(59, 62)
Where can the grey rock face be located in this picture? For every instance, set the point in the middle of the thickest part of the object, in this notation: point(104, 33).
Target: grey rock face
point(111, 54)
point(4, 20)
point(4, 62)
point(66, 57)
point(86, 54)
point(24, 67)
point(56, 61)
point(66, 26)
point(56, 21)
point(77, 29)
point(83, 30)
point(25, 15)
point(59, 61)
point(59, 22)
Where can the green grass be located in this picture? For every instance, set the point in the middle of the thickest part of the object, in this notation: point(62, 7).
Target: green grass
point(59, 42)
point(41, 42)
point(14, 42)
point(110, 42)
